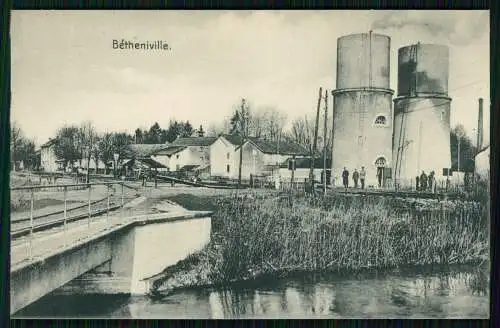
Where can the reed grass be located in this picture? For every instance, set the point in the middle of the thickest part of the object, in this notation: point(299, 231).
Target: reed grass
point(254, 236)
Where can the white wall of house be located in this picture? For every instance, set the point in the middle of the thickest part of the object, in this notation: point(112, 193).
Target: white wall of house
point(256, 162)
point(483, 164)
point(192, 155)
point(223, 157)
point(48, 159)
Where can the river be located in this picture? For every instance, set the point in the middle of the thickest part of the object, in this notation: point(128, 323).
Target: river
point(454, 292)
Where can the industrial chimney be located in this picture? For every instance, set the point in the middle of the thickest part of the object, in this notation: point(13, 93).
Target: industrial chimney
point(480, 126)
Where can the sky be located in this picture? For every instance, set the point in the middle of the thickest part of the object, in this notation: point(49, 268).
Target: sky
point(65, 70)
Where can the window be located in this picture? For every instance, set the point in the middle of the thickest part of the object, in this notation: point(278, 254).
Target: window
point(442, 116)
point(380, 120)
point(360, 140)
point(177, 156)
point(380, 162)
point(227, 155)
point(227, 168)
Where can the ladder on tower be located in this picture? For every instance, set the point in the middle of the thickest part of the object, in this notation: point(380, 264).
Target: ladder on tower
point(401, 137)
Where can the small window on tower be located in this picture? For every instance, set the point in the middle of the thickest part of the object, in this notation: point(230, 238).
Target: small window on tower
point(360, 140)
point(380, 120)
point(442, 116)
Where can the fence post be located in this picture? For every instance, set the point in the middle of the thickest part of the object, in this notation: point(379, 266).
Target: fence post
point(123, 185)
point(89, 214)
point(32, 201)
point(65, 213)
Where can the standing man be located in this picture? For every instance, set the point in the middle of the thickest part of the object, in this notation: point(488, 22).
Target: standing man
point(355, 177)
point(379, 176)
point(362, 177)
point(423, 181)
point(345, 178)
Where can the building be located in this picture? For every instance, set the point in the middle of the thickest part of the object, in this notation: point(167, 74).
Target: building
point(362, 122)
point(264, 157)
point(192, 152)
point(48, 159)
point(303, 168)
point(145, 152)
point(224, 159)
point(100, 169)
point(422, 113)
point(482, 163)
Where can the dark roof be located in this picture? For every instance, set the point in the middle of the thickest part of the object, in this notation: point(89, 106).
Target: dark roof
point(188, 167)
point(170, 150)
point(233, 139)
point(151, 163)
point(282, 148)
point(194, 141)
point(48, 143)
point(143, 150)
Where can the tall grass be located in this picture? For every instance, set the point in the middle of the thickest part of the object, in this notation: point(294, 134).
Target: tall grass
point(260, 236)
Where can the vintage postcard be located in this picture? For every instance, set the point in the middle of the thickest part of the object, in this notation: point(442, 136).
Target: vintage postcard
point(250, 164)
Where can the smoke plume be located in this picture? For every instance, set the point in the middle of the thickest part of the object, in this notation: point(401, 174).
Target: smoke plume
point(458, 27)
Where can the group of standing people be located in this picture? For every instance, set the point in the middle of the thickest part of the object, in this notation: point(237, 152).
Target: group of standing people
point(356, 176)
point(426, 182)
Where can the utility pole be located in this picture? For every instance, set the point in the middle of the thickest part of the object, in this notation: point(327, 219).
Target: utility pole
point(315, 142)
point(324, 141)
point(242, 132)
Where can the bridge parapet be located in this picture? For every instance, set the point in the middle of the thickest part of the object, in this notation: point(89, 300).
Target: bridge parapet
point(135, 247)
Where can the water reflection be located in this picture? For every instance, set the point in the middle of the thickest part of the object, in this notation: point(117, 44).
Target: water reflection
point(460, 293)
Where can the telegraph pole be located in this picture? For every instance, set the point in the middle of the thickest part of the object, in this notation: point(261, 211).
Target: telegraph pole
point(324, 141)
point(242, 132)
point(315, 142)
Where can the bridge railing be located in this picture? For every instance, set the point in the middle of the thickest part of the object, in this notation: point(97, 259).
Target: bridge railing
point(38, 208)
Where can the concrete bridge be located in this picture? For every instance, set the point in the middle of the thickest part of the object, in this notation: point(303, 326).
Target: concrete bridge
point(131, 248)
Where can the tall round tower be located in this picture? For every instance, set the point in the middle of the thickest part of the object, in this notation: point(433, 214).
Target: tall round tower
point(421, 113)
point(362, 119)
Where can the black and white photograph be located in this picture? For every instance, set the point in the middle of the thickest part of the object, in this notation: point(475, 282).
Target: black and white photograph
point(255, 164)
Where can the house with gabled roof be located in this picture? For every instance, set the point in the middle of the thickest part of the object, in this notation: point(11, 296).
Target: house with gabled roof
point(191, 153)
point(48, 159)
point(223, 160)
point(259, 156)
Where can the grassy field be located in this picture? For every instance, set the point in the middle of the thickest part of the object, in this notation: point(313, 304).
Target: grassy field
point(257, 235)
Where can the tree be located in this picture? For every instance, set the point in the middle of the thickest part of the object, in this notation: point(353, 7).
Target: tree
point(119, 141)
point(16, 138)
point(138, 136)
point(105, 146)
point(153, 136)
point(468, 151)
point(201, 132)
point(21, 148)
point(173, 131)
point(66, 146)
point(88, 140)
point(96, 152)
point(27, 154)
point(186, 129)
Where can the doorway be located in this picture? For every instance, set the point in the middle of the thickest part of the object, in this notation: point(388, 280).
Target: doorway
point(380, 164)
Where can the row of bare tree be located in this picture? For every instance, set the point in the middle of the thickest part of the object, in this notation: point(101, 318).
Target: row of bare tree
point(76, 142)
point(272, 124)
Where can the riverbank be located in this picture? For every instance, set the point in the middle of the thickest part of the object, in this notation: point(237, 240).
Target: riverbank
point(259, 235)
